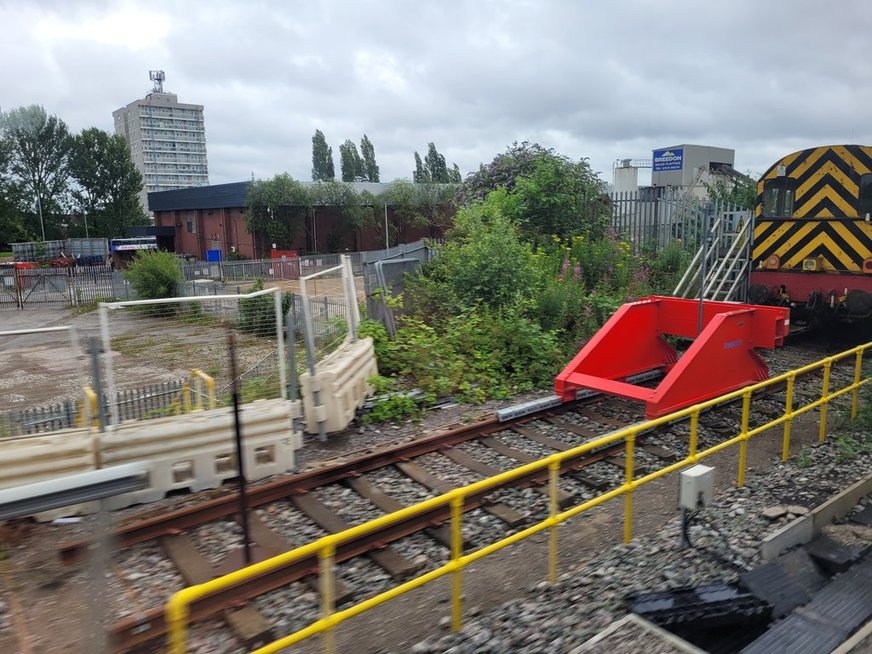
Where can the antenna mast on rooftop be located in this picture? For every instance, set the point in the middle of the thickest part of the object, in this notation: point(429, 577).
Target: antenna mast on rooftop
point(158, 77)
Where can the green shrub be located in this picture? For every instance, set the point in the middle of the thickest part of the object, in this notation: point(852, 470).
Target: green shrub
point(475, 356)
point(804, 459)
point(257, 315)
point(484, 264)
point(391, 402)
point(667, 265)
point(379, 335)
point(154, 274)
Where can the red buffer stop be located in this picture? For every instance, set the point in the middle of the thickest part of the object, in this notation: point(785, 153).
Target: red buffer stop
point(721, 358)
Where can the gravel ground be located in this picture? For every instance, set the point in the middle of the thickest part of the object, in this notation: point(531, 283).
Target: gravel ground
point(56, 599)
point(726, 535)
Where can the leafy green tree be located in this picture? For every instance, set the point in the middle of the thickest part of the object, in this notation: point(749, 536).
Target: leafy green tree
point(739, 191)
point(370, 167)
point(350, 162)
point(551, 195)
point(37, 146)
point(322, 158)
point(342, 197)
point(13, 225)
point(107, 183)
point(277, 209)
point(434, 162)
point(417, 205)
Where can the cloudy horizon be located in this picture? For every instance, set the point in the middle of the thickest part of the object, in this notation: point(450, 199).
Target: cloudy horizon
point(607, 81)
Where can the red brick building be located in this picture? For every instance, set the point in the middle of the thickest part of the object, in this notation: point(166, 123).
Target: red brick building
point(211, 218)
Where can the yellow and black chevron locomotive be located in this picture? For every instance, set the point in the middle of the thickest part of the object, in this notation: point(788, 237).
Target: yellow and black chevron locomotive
point(813, 233)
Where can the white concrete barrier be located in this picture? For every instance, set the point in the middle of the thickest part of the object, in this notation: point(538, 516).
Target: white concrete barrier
point(197, 451)
point(194, 451)
point(29, 459)
point(341, 379)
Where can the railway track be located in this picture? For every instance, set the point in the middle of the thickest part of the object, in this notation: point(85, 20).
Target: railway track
point(288, 512)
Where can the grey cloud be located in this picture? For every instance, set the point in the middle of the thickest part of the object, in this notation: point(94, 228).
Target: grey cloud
point(598, 80)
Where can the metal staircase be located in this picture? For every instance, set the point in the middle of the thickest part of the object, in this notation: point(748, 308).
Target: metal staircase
point(721, 266)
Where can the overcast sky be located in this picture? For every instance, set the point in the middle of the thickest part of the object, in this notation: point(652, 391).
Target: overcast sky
point(603, 80)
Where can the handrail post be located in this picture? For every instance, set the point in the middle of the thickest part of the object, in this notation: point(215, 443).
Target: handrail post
point(326, 557)
point(855, 394)
point(628, 495)
point(743, 445)
point(553, 508)
point(186, 397)
point(456, 553)
point(788, 418)
point(694, 435)
point(177, 613)
point(825, 398)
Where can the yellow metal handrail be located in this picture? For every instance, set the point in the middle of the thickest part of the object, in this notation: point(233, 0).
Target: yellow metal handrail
point(88, 414)
point(195, 385)
point(178, 607)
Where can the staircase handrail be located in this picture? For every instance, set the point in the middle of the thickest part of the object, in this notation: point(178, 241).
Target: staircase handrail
point(718, 273)
point(694, 264)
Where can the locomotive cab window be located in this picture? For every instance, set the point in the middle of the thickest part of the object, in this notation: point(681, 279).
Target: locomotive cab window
point(864, 201)
point(778, 197)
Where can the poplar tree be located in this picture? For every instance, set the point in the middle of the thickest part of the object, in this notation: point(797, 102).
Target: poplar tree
point(322, 158)
point(433, 169)
point(370, 167)
point(350, 163)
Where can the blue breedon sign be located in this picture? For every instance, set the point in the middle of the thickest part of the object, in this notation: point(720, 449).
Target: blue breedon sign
point(668, 159)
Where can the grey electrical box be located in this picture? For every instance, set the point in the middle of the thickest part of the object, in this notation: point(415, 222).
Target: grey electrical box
point(696, 487)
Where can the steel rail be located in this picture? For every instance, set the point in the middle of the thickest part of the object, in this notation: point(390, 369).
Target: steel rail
point(150, 625)
point(140, 531)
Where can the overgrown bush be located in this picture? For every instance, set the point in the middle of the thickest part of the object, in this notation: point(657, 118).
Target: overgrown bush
point(391, 402)
point(378, 333)
point(257, 315)
point(667, 265)
point(483, 264)
point(473, 356)
point(154, 274)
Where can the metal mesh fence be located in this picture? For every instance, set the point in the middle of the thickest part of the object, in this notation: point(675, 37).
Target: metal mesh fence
point(323, 308)
point(282, 269)
point(157, 342)
point(384, 273)
point(42, 376)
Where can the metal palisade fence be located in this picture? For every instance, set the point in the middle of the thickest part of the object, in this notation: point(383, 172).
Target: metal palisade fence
point(150, 401)
point(21, 286)
point(652, 218)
